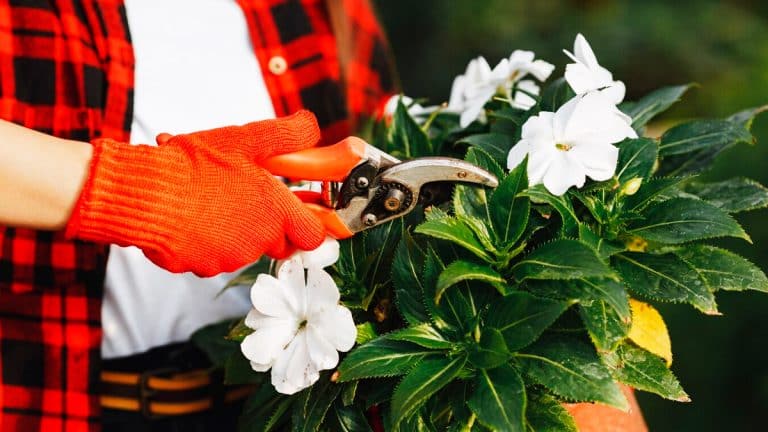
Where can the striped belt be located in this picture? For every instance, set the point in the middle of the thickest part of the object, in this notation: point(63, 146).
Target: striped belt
point(166, 392)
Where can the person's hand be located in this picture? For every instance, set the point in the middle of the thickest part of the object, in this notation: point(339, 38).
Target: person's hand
point(199, 202)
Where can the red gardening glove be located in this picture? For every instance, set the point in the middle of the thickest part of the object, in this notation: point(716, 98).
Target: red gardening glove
point(199, 202)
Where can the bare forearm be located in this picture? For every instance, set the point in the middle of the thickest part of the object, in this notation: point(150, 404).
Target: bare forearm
point(40, 177)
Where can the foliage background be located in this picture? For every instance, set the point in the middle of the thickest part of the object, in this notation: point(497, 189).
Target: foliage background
point(723, 45)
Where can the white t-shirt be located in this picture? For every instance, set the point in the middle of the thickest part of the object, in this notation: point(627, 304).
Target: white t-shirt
point(195, 70)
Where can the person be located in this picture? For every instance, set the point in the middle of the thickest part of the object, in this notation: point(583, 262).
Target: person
point(79, 81)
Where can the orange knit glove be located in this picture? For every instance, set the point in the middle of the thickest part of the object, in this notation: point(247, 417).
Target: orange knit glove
point(199, 202)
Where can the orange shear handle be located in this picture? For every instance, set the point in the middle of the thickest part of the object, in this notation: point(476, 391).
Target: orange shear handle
point(330, 163)
point(334, 226)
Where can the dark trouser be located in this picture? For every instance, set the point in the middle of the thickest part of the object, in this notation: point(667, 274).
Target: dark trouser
point(181, 357)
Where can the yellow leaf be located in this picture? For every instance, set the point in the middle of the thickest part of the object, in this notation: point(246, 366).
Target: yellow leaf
point(648, 330)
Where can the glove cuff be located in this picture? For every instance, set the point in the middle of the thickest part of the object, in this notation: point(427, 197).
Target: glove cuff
point(125, 188)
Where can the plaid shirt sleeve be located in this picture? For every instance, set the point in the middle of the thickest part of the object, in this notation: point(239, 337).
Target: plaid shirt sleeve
point(56, 58)
point(66, 68)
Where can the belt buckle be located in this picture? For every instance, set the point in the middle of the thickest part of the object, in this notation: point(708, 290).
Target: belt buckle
point(146, 393)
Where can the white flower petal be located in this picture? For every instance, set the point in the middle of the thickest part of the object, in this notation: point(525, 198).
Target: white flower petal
point(291, 273)
point(539, 160)
point(599, 161)
point(522, 99)
point(563, 172)
point(517, 154)
point(293, 370)
point(321, 290)
point(456, 101)
point(539, 126)
point(258, 367)
point(541, 69)
point(583, 52)
point(614, 92)
point(520, 58)
point(265, 344)
point(580, 78)
point(325, 255)
point(472, 111)
point(562, 119)
point(322, 353)
point(272, 297)
point(337, 327)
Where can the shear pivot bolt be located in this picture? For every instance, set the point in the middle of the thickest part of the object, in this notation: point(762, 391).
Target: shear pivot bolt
point(370, 219)
point(361, 182)
point(394, 200)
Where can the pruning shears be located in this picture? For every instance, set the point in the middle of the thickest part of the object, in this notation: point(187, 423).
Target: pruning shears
point(363, 187)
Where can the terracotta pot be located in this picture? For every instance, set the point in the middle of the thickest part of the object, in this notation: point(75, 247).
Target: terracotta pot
point(600, 418)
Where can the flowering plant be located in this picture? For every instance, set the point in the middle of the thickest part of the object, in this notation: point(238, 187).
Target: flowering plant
point(490, 312)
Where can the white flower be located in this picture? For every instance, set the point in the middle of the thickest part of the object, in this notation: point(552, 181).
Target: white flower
point(415, 110)
point(576, 141)
point(298, 323)
point(586, 74)
point(472, 90)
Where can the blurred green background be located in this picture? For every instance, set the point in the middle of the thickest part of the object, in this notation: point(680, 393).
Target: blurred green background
point(722, 362)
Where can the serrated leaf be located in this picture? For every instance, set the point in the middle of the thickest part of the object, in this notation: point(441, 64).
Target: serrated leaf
point(499, 399)
point(701, 134)
point(522, 317)
point(652, 104)
point(604, 247)
point(509, 212)
point(349, 419)
point(406, 135)
point(571, 369)
point(539, 194)
point(381, 357)
point(665, 277)
point(649, 331)
point(265, 410)
point(680, 220)
point(642, 370)
point(586, 291)
point(636, 158)
point(212, 340)
point(724, 270)
point(406, 276)
point(497, 145)
point(561, 259)
point(455, 231)
point(424, 335)
point(733, 196)
point(459, 271)
point(422, 382)
point(649, 190)
point(605, 326)
point(474, 200)
point(491, 351)
point(544, 413)
point(365, 332)
point(312, 405)
point(555, 94)
point(237, 370)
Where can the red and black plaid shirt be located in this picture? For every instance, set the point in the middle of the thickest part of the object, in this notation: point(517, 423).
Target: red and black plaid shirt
point(66, 68)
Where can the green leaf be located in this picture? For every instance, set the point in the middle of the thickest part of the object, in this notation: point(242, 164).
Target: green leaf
point(424, 335)
point(422, 382)
point(456, 231)
point(212, 340)
point(459, 271)
point(724, 270)
point(238, 370)
point(733, 196)
point(561, 259)
point(522, 317)
point(313, 403)
point(249, 275)
point(406, 276)
point(539, 194)
point(666, 278)
point(474, 200)
point(491, 351)
point(406, 136)
point(497, 145)
point(381, 357)
point(555, 95)
point(499, 399)
point(649, 190)
point(605, 326)
point(571, 369)
point(642, 370)
point(586, 291)
point(604, 248)
point(265, 410)
point(652, 104)
point(681, 220)
point(636, 158)
point(509, 212)
point(747, 116)
point(365, 332)
point(349, 419)
point(700, 134)
point(544, 413)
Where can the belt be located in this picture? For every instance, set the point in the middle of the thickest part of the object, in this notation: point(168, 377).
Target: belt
point(168, 392)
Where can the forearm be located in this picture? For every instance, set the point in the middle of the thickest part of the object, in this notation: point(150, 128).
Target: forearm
point(40, 177)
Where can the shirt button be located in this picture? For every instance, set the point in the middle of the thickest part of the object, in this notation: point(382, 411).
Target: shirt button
point(278, 65)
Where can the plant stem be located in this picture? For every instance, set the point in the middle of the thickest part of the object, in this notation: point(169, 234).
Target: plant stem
point(470, 423)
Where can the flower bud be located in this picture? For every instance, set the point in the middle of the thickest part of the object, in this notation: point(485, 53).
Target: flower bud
point(631, 187)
